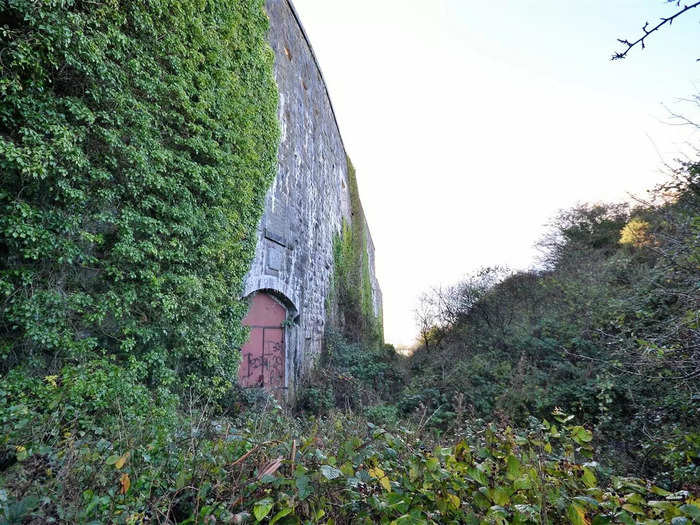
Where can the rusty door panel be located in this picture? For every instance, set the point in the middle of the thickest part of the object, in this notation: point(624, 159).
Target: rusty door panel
point(273, 357)
point(250, 370)
point(263, 356)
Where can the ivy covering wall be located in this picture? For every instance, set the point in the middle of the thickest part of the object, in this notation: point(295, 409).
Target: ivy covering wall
point(137, 141)
point(351, 287)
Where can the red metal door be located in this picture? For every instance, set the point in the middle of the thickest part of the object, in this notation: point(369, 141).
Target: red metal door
point(263, 356)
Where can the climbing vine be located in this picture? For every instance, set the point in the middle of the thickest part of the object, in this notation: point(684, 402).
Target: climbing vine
point(351, 283)
point(137, 141)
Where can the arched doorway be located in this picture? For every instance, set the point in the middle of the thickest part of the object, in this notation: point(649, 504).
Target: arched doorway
point(263, 356)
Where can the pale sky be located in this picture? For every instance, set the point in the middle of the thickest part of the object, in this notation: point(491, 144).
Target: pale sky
point(470, 123)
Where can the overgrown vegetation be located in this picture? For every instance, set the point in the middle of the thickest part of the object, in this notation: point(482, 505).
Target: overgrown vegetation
point(353, 376)
point(137, 141)
point(351, 296)
point(134, 459)
point(608, 329)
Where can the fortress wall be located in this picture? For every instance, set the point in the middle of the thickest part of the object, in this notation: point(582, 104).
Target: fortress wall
point(309, 198)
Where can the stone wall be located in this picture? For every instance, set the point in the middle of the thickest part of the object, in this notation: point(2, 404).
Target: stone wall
point(309, 199)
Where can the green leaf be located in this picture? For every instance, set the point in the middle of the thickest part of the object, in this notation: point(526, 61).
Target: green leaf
point(432, 464)
point(347, 469)
point(691, 510)
point(181, 479)
point(513, 467)
point(281, 514)
point(589, 478)
point(303, 484)
point(625, 518)
point(660, 492)
point(663, 505)
point(21, 509)
point(522, 483)
point(481, 501)
point(680, 520)
point(501, 496)
point(22, 454)
point(576, 514)
point(477, 475)
point(330, 472)
point(262, 508)
point(463, 452)
point(635, 498)
point(528, 511)
point(580, 434)
point(634, 509)
point(588, 501)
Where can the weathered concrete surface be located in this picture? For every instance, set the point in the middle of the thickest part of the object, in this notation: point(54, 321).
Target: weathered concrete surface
point(308, 200)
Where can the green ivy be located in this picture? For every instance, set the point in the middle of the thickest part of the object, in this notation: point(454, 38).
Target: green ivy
point(137, 141)
point(351, 285)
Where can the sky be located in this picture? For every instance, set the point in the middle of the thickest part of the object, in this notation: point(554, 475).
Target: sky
point(471, 123)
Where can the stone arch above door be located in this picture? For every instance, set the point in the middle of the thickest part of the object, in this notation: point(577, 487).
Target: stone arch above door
point(275, 286)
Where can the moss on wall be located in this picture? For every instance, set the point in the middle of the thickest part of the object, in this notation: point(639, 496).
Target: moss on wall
point(350, 294)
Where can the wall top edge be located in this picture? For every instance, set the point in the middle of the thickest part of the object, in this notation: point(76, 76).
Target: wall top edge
point(318, 67)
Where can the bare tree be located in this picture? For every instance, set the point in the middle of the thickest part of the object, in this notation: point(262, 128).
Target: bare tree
point(442, 308)
point(431, 316)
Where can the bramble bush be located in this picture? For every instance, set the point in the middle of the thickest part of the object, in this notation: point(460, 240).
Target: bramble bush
point(266, 467)
point(351, 375)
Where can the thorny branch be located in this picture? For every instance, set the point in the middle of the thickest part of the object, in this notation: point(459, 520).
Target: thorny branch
point(668, 20)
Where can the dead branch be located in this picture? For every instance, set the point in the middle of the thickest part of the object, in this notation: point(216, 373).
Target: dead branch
point(619, 55)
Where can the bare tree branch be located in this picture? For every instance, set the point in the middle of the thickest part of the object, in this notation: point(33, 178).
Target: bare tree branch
point(680, 119)
point(622, 54)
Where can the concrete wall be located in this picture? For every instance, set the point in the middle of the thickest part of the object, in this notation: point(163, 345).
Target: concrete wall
point(309, 198)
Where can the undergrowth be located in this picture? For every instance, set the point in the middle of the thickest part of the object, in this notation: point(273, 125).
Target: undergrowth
point(135, 459)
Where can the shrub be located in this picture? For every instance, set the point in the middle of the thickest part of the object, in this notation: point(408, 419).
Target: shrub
point(384, 414)
point(635, 233)
point(317, 399)
point(351, 376)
